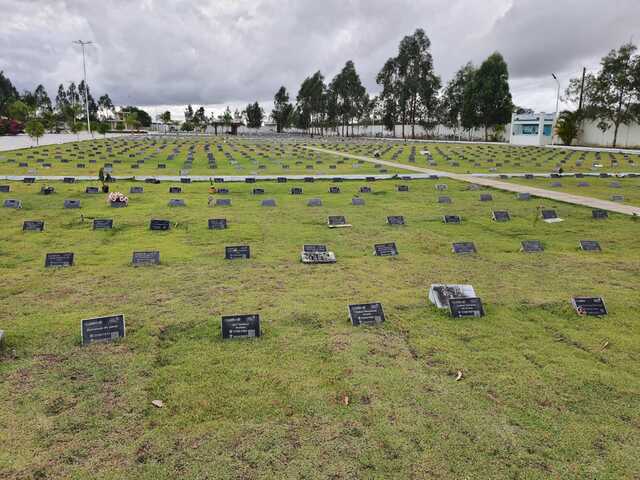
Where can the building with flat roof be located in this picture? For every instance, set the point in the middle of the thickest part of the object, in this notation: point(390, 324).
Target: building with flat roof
point(531, 128)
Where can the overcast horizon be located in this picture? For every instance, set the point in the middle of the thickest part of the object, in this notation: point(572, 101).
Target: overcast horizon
point(161, 54)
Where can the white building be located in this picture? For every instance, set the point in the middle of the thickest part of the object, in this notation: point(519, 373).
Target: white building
point(531, 128)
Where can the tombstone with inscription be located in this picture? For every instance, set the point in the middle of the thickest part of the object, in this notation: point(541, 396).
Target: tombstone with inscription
point(145, 258)
point(366, 314)
point(175, 202)
point(599, 214)
point(590, 306)
point(160, 225)
point(64, 259)
point(444, 199)
point(33, 226)
point(240, 326)
point(222, 202)
point(385, 249)
point(136, 190)
point(314, 202)
point(466, 307)
point(237, 252)
point(531, 246)
point(316, 254)
point(5, 188)
point(72, 204)
point(103, 224)
point(395, 220)
point(12, 203)
point(440, 293)
point(334, 189)
point(357, 201)
point(175, 190)
point(590, 246)
point(452, 219)
point(523, 196)
point(217, 223)
point(464, 248)
point(92, 190)
point(268, 202)
point(102, 329)
point(486, 197)
point(500, 216)
point(337, 221)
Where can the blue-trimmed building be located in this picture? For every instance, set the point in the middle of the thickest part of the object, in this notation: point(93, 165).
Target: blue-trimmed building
point(531, 128)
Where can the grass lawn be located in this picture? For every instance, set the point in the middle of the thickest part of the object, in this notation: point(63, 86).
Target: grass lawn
point(545, 393)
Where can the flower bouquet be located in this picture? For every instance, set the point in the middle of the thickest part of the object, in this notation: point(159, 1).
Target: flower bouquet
point(117, 199)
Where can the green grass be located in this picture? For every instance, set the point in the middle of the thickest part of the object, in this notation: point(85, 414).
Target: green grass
point(540, 398)
point(598, 187)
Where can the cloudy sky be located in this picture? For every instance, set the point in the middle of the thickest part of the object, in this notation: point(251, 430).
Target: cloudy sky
point(166, 53)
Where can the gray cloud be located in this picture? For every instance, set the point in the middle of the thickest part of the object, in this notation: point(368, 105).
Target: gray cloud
point(168, 52)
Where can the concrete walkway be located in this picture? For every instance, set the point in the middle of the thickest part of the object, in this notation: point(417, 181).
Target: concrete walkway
point(14, 142)
point(490, 182)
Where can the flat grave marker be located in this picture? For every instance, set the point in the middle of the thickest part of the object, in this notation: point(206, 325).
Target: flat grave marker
point(590, 306)
point(72, 204)
point(223, 202)
point(500, 216)
point(102, 329)
point(452, 219)
point(103, 224)
point(268, 202)
point(599, 214)
point(175, 190)
point(176, 202)
point(357, 201)
point(440, 293)
point(395, 220)
point(385, 249)
point(464, 248)
point(444, 199)
point(217, 223)
point(366, 314)
point(5, 188)
point(240, 326)
point(314, 202)
point(64, 259)
point(145, 258)
point(237, 252)
point(136, 190)
point(337, 221)
point(33, 226)
point(12, 203)
point(159, 225)
point(590, 246)
point(466, 307)
point(531, 246)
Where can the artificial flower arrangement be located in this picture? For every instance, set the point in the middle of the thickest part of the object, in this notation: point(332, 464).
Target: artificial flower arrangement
point(118, 198)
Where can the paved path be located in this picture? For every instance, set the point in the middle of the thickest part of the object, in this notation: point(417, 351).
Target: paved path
point(13, 142)
point(490, 182)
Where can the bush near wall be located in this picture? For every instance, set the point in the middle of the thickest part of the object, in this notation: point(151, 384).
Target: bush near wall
point(9, 126)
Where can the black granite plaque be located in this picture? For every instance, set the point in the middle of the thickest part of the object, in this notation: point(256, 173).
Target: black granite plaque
point(500, 215)
point(72, 204)
point(5, 188)
point(92, 190)
point(269, 202)
point(296, 191)
point(589, 306)
point(258, 191)
point(531, 246)
point(336, 221)
point(466, 307)
point(29, 180)
point(12, 203)
point(240, 326)
point(455, 219)
point(334, 189)
point(175, 202)
point(365, 189)
point(314, 202)
point(281, 179)
point(103, 224)
point(599, 214)
point(250, 180)
point(366, 314)
point(136, 190)
point(69, 180)
point(523, 196)
point(314, 248)
point(58, 259)
point(237, 252)
point(590, 245)
point(464, 248)
point(395, 220)
point(175, 190)
point(548, 214)
point(403, 188)
point(223, 202)
point(33, 225)
point(357, 201)
point(444, 199)
point(102, 329)
point(486, 197)
point(145, 258)
point(185, 180)
point(385, 249)
point(217, 223)
point(159, 224)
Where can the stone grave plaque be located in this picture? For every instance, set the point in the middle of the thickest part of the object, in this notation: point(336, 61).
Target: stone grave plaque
point(463, 248)
point(217, 223)
point(145, 258)
point(590, 246)
point(5, 188)
point(102, 329)
point(185, 180)
point(314, 248)
point(175, 190)
point(444, 199)
point(395, 220)
point(486, 197)
point(249, 180)
point(365, 189)
point(72, 204)
point(617, 198)
point(162, 166)
point(237, 252)
point(296, 191)
point(440, 293)
point(523, 196)
point(281, 179)
point(223, 202)
point(175, 202)
point(337, 179)
point(314, 202)
point(156, 224)
point(556, 184)
point(69, 180)
point(466, 307)
point(58, 259)
point(366, 314)
point(500, 216)
point(441, 187)
point(258, 191)
point(334, 189)
point(151, 180)
point(592, 306)
point(317, 257)
point(309, 179)
point(92, 190)
point(29, 180)
point(103, 224)
point(385, 249)
point(403, 188)
point(12, 203)
point(599, 214)
point(548, 214)
point(136, 190)
point(33, 226)
point(357, 201)
point(268, 202)
point(455, 219)
point(240, 326)
point(531, 246)
point(336, 221)
point(583, 184)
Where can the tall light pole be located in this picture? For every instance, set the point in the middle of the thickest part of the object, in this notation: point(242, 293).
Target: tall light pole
point(555, 118)
point(86, 86)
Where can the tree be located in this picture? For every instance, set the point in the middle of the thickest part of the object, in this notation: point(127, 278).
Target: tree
point(61, 100)
point(199, 118)
point(143, 118)
point(457, 91)
point(311, 102)
point(347, 96)
point(8, 93)
point(612, 95)
point(165, 117)
point(19, 110)
point(42, 101)
point(188, 114)
point(34, 129)
point(105, 107)
point(282, 112)
point(76, 128)
point(254, 114)
point(91, 103)
point(131, 119)
point(103, 128)
point(567, 126)
point(490, 93)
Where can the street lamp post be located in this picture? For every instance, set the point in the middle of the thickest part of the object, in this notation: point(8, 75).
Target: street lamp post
point(555, 118)
point(86, 86)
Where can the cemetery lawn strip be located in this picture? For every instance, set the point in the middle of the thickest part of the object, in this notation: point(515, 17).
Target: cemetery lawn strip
point(544, 392)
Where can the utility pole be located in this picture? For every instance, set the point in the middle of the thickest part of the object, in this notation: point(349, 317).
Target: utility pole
point(86, 86)
point(555, 119)
point(584, 71)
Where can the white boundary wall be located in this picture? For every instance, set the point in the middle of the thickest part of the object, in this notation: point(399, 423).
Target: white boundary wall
point(628, 135)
